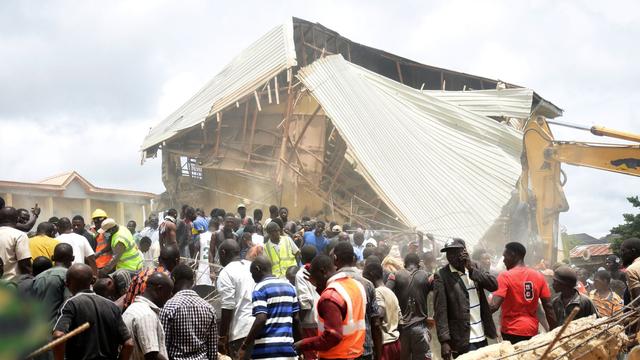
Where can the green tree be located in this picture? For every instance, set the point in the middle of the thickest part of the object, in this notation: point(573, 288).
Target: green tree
point(630, 228)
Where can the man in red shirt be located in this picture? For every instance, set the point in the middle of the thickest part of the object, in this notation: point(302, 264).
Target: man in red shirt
point(519, 289)
point(335, 341)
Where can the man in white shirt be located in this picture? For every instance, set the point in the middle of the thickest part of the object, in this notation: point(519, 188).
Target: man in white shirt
point(203, 276)
point(14, 245)
point(82, 251)
point(141, 318)
point(151, 230)
point(256, 239)
point(235, 286)
point(150, 252)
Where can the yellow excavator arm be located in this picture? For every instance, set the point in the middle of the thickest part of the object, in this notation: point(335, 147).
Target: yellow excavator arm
point(541, 181)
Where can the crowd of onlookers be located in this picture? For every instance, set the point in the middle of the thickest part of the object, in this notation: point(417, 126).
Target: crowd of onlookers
point(190, 285)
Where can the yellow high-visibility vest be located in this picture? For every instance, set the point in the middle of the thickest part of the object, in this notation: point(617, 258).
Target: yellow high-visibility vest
point(131, 259)
point(280, 260)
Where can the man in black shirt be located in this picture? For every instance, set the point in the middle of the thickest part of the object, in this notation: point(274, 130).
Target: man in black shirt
point(78, 227)
point(107, 331)
point(567, 297)
point(411, 286)
point(612, 263)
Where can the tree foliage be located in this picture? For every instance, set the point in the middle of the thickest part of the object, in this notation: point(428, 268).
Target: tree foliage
point(630, 228)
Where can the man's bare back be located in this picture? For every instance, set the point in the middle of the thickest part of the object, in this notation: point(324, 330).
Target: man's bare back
point(168, 233)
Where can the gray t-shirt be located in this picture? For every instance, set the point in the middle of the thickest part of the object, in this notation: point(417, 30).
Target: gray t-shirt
point(49, 288)
point(411, 289)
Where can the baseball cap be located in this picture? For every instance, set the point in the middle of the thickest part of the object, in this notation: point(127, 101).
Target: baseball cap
point(613, 258)
point(108, 224)
point(566, 275)
point(241, 206)
point(454, 243)
point(336, 228)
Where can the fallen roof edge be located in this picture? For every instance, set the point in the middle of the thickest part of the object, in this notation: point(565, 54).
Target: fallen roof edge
point(348, 95)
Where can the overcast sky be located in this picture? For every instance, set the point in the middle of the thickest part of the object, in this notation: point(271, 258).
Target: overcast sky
point(82, 82)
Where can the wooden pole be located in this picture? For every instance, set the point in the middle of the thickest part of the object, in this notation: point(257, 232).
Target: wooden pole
point(573, 314)
point(253, 131)
point(304, 51)
point(304, 128)
point(285, 136)
point(244, 123)
point(218, 131)
point(59, 340)
point(399, 72)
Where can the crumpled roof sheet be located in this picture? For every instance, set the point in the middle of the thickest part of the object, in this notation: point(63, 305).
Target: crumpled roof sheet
point(253, 67)
point(590, 250)
point(440, 168)
point(513, 102)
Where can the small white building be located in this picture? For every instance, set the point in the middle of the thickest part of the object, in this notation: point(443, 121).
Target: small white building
point(70, 194)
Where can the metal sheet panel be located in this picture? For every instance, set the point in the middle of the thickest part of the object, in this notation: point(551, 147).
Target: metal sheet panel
point(440, 168)
point(590, 250)
point(251, 69)
point(514, 102)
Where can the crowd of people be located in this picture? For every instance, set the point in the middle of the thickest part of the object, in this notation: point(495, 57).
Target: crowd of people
point(284, 289)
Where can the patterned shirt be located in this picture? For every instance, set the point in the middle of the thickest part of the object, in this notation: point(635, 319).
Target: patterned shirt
point(606, 306)
point(190, 325)
point(277, 299)
point(139, 283)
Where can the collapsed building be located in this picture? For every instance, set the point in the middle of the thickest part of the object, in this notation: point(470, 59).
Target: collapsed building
point(308, 119)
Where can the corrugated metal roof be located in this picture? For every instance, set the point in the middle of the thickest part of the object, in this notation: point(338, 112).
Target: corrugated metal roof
point(590, 250)
point(513, 102)
point(253, 67)
point(439, 167)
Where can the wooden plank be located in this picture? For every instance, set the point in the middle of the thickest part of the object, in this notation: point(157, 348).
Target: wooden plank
point(244, 122)
point(297, 156)
point(313, 40)
point(218, 131)
point(335, 176)
point(306, 126)
point(252, 134)
point(304, 51)
point(275, 84)
point(204, 135)
point(315, 156)
point(285, 135)
point(315, 48)
point(399, 72)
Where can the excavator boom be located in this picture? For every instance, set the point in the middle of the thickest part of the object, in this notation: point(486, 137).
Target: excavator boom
point(541, 180)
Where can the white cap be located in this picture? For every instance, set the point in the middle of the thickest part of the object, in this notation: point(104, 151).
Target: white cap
point(108, 224)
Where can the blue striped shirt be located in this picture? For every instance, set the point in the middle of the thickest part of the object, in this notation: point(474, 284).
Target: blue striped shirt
point(276, 298)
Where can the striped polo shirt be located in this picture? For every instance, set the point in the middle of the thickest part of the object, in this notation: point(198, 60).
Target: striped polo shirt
point(276, 298)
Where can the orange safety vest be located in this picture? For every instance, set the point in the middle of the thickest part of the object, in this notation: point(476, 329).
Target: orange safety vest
point(103, 260)
point(353, 325)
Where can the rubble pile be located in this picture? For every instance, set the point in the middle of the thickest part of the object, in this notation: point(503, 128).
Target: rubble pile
point(602, 347)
